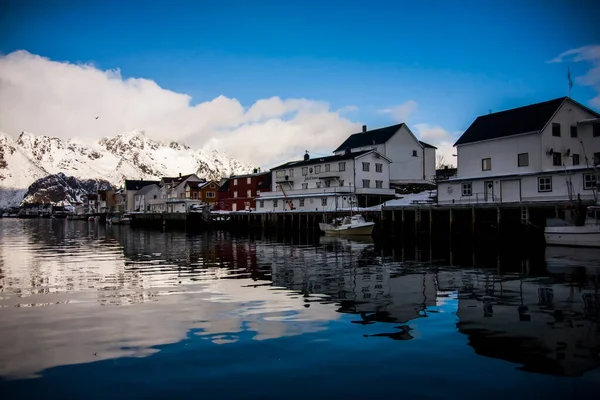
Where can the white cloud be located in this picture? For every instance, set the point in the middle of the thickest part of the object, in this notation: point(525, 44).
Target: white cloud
point(589, 54)
point(440, 138)
point(62, 99)
point(402, 112)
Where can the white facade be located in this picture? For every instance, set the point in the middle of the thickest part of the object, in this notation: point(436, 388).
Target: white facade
point(147, 196)
point(411, 160)
point(530, 167)
point(327, 184)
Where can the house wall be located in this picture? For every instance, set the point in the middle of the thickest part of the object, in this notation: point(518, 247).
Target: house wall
point(296, 179)
point(405, 167)
point(567, 115)
point(213, 188)
point(429, 163)
point(528, 185)
point(372, 175)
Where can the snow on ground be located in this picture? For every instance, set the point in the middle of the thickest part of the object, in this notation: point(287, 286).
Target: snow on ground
point(402, 200)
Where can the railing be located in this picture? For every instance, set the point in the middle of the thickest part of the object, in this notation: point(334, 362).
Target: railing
point(479, 198)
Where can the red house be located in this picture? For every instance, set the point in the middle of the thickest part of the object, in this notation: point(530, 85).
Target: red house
point(239, 192)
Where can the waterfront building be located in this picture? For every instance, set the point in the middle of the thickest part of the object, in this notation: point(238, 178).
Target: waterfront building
point(544, 152)
point(239, 191)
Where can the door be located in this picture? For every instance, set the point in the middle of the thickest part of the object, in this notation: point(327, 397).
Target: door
point(488, 191)
point(233, 207)
point(510, 191)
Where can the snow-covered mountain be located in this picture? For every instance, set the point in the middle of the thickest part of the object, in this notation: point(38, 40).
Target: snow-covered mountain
point(126, 156)
point(62, 189)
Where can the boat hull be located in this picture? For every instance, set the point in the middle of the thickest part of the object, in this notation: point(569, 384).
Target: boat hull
point(579, 236)
point(362, 230)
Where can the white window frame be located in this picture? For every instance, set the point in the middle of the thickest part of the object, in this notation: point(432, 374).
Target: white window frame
point(342, 166)
point(590, 181)
point(366, 166)
point(300, 202)
point(466, 189)
point(304, 171)
point(366, 183)
point(378, 184)
point(324, 202)
point(486, 164)
point(544, 184)
point(280, 173)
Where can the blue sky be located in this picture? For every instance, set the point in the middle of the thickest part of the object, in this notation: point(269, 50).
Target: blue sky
point(455, 59)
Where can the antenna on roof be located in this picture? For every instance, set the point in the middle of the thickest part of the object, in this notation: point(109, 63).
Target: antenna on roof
point(490, 111)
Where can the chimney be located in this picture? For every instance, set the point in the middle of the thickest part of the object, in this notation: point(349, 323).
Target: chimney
point(364, 129)
point(180, 174)
point(255, 170)
point(306, 156)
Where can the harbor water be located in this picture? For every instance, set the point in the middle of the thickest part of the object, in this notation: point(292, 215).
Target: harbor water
point(94, 311)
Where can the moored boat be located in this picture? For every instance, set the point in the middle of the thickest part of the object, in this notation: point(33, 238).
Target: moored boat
point(350, 225)
point(563, 233)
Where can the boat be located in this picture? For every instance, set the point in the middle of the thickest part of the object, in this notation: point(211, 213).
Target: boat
point(349, 225)
point(564, 233)
point(124, 219)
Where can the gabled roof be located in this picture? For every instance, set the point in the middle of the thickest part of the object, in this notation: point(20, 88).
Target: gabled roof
point(319, 160)
point(527, 119)
point(176, 179)
point(138, 184)
point(427, 145)
point(147, 189)
point(368, 138)
point(194, 184)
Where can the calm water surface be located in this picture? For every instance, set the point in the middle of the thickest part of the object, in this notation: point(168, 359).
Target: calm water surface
point(88, 311)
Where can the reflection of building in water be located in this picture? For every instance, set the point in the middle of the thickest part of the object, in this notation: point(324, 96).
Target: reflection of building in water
point(548, 327)
point(349, 275)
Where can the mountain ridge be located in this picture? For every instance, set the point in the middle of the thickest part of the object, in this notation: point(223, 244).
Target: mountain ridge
point(130, 155)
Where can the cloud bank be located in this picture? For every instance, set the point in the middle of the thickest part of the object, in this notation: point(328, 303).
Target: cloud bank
point(61, 99)
point(402, 112)
point(587, 54)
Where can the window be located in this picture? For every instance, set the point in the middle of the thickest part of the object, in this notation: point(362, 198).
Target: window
point(557, 159)
point(575, 159)
point(274, 203)
point(317, 169)
point(379, 184)
point(249, 193)
point(262, 204)
point(555, 129)
point(573, 131)
point(291, 174)
point(596, 130)
point(301, 202)
point(327, 167)
point(327, 183)
point(523, 160)
point(596, 158)
point(279, 174)
point(341, 182)
point(545, 184)
point(235, 182)
point(196, 195)
point(305, 186)
point(486, 164)
point(235, 194)
point(366, 183)
point(378, 167)
point(366, 166)
point(319, 184)
point(324, 201)
point(304, 171)
point(589, 181)
point(415, 154)
point(467, 189)
point(342, 166)
point(210, 195)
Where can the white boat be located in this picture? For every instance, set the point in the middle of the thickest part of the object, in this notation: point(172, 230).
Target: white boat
point(563, 233)
point(351, 225)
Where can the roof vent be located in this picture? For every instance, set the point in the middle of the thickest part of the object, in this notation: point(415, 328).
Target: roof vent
point(364, 128)
point(306, 156)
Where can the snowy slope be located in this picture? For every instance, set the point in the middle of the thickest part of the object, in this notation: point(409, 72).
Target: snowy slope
point(127, 156)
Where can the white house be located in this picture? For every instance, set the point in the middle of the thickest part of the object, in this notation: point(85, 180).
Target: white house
point(132, 187)
point(547, 151)
point(412, 161)
point(328, 183)
point(149, 199)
